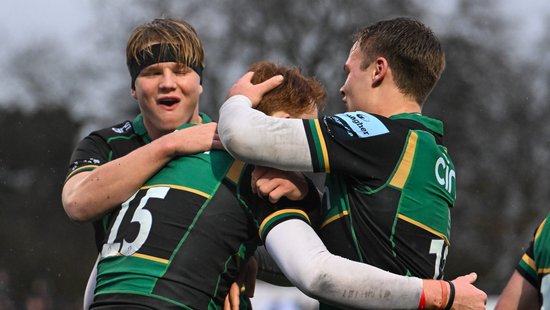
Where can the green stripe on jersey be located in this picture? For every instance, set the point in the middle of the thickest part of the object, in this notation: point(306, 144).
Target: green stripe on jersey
point(184, 172)
point(132, 279)
point(320, 146)
point(420, 180)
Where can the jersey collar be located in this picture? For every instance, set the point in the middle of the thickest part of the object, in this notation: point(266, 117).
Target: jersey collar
point(430, 123)
point(139, 127)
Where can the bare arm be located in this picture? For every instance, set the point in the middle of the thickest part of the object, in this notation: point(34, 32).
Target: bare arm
point(518, 294)
point(89, 195)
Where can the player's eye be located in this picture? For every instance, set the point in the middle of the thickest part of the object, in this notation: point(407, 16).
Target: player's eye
point(182, 70)
point(150, 72)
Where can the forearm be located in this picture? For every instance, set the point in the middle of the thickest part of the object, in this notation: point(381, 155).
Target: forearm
point(256, 138)
point(518, 294)
point(268, 270)
point(89, 195)
point(306, 262)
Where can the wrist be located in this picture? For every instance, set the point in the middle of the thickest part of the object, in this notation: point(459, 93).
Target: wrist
point(164, 147)
point(437, 293)
point(451, 298)
point(422, 303)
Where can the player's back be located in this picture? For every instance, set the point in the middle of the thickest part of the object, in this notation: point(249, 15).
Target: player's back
point(179, 241)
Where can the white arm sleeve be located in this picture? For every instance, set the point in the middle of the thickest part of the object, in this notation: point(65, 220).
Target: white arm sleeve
point(306, 262)
point(253, 137)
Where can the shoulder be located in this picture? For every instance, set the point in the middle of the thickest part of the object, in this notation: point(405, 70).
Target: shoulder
point(121, 129)
point(356, 124)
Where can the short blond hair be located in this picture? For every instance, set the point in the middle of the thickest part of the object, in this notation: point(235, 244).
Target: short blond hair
point(175, 37)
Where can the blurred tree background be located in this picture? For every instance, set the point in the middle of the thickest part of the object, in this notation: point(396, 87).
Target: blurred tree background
point(492, 97)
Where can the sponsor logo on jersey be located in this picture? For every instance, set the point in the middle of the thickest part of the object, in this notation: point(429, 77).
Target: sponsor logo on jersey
point(122, 129)
point(360, 124)
point(84, 162)
point(445, 174)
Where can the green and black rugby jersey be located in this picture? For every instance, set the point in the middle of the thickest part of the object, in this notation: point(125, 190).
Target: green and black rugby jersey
point(100, 147)
point(534, 265)
point(389, 189)
point(179, 241)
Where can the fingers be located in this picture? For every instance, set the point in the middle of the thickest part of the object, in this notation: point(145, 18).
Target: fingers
point(468, 296)
point(275, 184)
point(254, 92)
point(232, 299)
point(226, 305)
point(247, 77)
point(273, 188)
point(256, 175)
point(275, 194)
point(217, 143)
point(470, 278)
point(270, 83)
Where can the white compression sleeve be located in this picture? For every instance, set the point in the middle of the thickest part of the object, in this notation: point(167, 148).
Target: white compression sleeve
point(306, 262)
point(253, 137)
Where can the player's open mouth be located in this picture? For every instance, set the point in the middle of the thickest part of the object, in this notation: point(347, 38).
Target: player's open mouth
point(168, 101)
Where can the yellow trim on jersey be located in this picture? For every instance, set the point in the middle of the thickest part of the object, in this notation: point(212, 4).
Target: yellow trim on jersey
point(418, 224)
point(149, 257)
point(275, 214)
point(234, 172)
point(183, 188)
point(77, 170)
point(405, 164)
point(539, 230)
point(322, 144)
point(334, 218)
point(529, 261)
point(543, 270)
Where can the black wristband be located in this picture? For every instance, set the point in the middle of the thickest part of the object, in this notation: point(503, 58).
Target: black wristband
point(451, 295)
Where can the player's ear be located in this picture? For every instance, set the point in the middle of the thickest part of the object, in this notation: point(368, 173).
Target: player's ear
point(280, 114)
point(133, 93)
point(380, 69)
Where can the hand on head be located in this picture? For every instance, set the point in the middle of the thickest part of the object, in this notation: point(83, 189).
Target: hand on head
point(254, 92)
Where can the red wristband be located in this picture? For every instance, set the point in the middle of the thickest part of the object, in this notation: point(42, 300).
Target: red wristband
point(422, 302)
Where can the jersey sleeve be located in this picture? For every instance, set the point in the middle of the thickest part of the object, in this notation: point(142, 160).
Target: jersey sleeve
point(355, 143)
point(526, 266)
point(535, 262)
point(92, 151)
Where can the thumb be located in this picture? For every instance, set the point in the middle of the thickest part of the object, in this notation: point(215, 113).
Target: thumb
point(470, 278)
point(247, 77)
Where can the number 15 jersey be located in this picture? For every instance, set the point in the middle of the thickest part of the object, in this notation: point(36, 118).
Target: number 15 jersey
point(181, 239)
